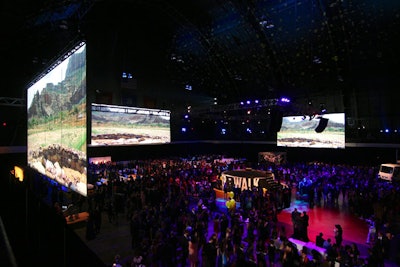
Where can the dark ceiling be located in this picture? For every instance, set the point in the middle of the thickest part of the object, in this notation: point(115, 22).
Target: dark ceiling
point(229, 49)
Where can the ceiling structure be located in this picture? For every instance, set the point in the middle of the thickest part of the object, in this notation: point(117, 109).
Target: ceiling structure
point(340, 52)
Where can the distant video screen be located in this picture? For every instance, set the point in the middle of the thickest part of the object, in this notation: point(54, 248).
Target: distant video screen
point(320, 131)
point(56, 112)
point(276, 158)
point(121, 125)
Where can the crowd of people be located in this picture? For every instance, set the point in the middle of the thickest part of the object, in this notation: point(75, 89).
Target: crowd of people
point(170, 204)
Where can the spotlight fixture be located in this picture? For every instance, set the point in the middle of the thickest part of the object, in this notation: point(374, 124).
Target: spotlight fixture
point(322, 108)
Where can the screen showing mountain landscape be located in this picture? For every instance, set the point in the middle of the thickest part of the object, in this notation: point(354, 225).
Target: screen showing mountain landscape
point(122, 125)
point(319, 131)
point(56, 112)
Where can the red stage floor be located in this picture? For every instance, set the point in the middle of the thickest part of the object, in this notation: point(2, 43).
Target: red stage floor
point(324, 218)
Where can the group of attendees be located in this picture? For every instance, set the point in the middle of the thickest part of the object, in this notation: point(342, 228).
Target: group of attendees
point(300, 225)
point(170, 204)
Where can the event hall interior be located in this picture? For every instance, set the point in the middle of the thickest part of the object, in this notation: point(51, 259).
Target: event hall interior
point(315, 81)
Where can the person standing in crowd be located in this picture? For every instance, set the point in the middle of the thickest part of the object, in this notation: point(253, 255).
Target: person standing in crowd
point(210, 251)
point(371, 231)
point(319, 240)
point(304, 227)
point(338, 235)
point(216, 224)
point(224, 224)
point(222, 259)
point(193, 247)
point(376, 257)
point(327, 244)
point(97, 220)
point(290, 255)
point(354, 253)
point(185, 247)
point(311, 195)
point(271, 250)
point(90, 228)
point(304, 261)
point(296, 223)
point(261, 251)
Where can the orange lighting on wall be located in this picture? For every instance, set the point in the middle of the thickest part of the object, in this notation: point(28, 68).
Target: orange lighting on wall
point(18, 173)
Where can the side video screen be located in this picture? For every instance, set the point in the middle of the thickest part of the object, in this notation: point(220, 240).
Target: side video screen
point(321, 131)
point(56, 112)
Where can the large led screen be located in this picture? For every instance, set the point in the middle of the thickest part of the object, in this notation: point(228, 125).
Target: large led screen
point(320, 131)
point(122, 125)
point(56, 112)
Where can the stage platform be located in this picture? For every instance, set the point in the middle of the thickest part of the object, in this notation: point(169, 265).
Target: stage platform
point(219, 194)
point(309, 246)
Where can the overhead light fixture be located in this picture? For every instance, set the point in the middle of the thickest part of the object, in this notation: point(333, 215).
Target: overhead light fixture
point(267, 24)
point(317, 60)
point(127, 75)
point(63, 25)
point(322, 108)
point(285, 100)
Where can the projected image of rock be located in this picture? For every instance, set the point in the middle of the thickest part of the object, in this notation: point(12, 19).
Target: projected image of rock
point(117, 125)
point(65, 165)
point(57, 122)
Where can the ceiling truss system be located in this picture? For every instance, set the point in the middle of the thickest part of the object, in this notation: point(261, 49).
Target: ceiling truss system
point(250, 49)
point(331, 53)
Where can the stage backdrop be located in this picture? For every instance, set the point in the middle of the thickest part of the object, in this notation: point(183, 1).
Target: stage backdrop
point(248, 179)
point(276, 158)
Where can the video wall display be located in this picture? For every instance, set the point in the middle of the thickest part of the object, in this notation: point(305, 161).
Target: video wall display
point(276, 158)
point(319, 131)
point(121, 125)
point(56, 112)
point(100, 160)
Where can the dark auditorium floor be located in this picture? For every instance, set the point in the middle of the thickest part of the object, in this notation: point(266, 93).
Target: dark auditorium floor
point(114, 238)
